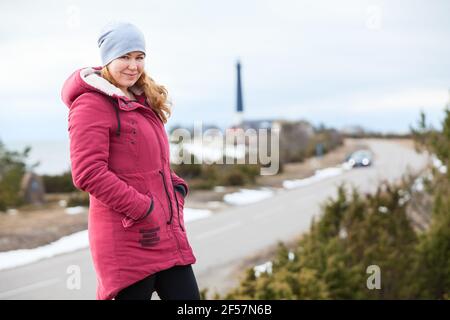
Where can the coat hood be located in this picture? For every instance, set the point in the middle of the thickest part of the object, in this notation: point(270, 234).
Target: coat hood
point(89, 80)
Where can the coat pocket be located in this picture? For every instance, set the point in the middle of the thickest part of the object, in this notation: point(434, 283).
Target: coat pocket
point(147, 233)
point(179, 197)
point(128, 222)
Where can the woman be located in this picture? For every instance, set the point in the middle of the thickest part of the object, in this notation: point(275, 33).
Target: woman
point(120, 154)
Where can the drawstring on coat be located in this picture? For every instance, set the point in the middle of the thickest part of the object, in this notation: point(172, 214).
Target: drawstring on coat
point(116, 108)
point(118, 120)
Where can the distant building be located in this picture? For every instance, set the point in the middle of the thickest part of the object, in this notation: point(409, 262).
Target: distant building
point(299, 125)
point(204, 127)
point(257, 124)
point(32, 188)
point(353, 130)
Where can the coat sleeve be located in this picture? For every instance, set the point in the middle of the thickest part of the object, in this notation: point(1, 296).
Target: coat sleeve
point(176, 180)
point(89, 130)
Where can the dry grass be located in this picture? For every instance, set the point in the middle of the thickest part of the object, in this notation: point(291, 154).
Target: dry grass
point(34, 226)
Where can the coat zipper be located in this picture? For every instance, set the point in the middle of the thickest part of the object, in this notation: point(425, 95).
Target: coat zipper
point(165, 186)
point(168, 196)
point(171, 211)
point(170, 202)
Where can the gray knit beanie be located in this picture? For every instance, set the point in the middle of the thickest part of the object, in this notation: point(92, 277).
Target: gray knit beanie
point(119, 38)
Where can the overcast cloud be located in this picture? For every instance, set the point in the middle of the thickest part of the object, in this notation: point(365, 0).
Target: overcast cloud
point(372, 63)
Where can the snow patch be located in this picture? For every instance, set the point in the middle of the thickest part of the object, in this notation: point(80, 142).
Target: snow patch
point(318, 176)
point(210, 151)
point(437, 163)
point(195, 214)
point(219, 189)
point(383, 209)
point(16, 258)
point(75, 210)
point(263, 268)
point(12, 212)
point(247, 196)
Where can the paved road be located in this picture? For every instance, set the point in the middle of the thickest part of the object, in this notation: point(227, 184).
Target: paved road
point(224, 240)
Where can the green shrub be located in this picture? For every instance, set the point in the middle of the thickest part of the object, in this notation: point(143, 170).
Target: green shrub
point(12, 170)
point(59, 183)
point(78, 199)
point(356, 231)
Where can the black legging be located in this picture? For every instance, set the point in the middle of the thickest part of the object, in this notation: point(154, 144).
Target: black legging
point(176, 283)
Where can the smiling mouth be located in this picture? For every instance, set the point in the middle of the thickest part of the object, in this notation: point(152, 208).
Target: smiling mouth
point(130, 75)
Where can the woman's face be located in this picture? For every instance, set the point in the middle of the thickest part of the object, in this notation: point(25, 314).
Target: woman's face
point(127, 69)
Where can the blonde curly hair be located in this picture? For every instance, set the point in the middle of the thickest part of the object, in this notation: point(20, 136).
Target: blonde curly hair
point(157, 95)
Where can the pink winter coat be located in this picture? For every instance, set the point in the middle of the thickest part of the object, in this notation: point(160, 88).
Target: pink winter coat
point(120, 154)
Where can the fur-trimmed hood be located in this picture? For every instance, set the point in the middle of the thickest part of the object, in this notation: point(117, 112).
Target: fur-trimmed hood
point(89, 79)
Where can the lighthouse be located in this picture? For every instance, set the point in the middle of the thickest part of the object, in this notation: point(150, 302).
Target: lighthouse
point(239, 113)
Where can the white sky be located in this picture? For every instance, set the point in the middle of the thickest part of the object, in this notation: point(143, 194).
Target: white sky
point(373, 63)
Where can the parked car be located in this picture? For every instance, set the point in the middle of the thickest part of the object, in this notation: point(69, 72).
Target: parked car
point(360, 158)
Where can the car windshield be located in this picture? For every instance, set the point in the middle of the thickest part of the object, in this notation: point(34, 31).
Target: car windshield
point(361, 154)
